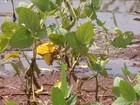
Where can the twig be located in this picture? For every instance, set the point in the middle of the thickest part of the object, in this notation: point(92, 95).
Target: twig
point(14, 15)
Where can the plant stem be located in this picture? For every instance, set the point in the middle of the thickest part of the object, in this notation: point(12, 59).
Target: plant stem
point(97, 87)
point(14, 15)
point(72, 70)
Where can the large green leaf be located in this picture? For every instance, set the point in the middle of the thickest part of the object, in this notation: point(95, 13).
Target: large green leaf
point(72, 40)
point(127, 91)
point(117, 81)
point(123, 40)
point(116, 91)
point(42, 4)
point(28, 19)
point(64, 86)
point(9, 28)
point(21, 39)
point(57, 97)
point(85, 33)
point(4, 41)
point(74, 43)
point(137, 89)
point(47, 5)
point(121, 101)
point(42, 33)
point(57, 39)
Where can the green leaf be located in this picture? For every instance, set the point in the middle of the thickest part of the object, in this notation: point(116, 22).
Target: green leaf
point(47, 5)
point(15, 68)
point(117, 81)
point(114, 19)
point(125, 71)
point(90, 12)
point(137, 89)
point(64, 86)
point(72, 100)
point(96, 4)
point(4, 41)
point(42, 33)
point(116, 91)
point(92, 57)
point(9, 28)
point(138, 78)
point(123, 40)
point(11, 103)
point(121, 101)
point(21, 39)
point(61, 31)
point(66, 22)
point(74, 43)
point(22, 4)
point(85, 33)
point(69, 90)
point(57, 39)
point(57, 97)
point(102, 24)
point(127, 91)
point(99, 66)
point(28, 19)
point(41, 4)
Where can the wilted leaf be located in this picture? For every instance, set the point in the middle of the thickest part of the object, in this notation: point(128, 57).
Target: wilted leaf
point(39, 90)
point(13, 54)
point(58, 84)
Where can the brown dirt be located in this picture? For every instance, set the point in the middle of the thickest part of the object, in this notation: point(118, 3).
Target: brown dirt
point(12, 88)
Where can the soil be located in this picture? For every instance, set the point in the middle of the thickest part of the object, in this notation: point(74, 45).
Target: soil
point(12, 88)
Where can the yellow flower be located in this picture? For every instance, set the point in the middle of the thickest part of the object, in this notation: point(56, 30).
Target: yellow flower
point(47, 51)
point(46, 48)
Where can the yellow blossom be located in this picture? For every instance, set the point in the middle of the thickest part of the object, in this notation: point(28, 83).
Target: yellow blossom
point(47, 51)
point(46, 48)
